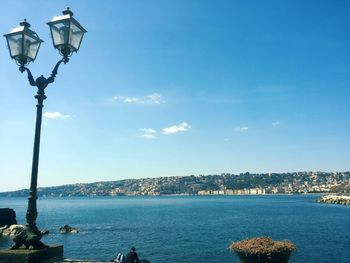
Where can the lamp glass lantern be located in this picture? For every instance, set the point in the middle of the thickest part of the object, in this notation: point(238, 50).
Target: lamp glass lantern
point(66, 33)
point(23, 43)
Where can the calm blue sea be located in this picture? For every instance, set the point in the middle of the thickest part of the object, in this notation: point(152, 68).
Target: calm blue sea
point(191, 229)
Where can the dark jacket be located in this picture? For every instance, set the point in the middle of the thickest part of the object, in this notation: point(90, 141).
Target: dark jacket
point(132, 257)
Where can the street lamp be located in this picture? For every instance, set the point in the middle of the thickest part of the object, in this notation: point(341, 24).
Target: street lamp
point(23, 45)
point(66, 33)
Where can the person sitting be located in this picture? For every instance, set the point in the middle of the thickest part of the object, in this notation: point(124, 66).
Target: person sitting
point(132, 256)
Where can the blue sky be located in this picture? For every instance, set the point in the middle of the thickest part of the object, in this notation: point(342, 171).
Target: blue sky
point(163, 88)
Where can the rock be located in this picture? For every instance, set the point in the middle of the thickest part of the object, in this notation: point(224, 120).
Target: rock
point(335, 199)
point(68, 229)
point(7, 217)
point(12, 230)
point(2, 229)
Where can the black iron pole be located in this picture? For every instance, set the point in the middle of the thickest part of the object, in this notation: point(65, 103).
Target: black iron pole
point(31, 235)
point(32, 213)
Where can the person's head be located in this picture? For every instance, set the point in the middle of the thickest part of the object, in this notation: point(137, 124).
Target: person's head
point(133, 249)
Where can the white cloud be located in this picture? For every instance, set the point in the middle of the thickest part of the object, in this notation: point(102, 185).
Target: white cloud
point(275, 123)
point(56, 115)
point(131, 100)
point(148, 130)
point(148, 136)
point(148, 133)
point(241, 129)
point(150, 99)
point(182, 127)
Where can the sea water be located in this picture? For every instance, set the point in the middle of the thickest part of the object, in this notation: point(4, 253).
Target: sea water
point(190, 229)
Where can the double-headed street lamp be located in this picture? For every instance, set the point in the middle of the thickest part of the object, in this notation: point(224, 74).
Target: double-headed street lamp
point(24, 44)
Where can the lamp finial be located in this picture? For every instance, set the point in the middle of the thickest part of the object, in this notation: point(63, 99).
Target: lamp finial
point(24, 23)
point(68, 12)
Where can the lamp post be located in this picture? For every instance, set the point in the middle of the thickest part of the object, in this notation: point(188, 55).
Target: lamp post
point(24, 44)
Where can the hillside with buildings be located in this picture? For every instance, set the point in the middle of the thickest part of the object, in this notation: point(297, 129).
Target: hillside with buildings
point(223, 184)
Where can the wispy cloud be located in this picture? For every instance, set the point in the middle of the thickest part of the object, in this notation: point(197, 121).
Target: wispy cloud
point(241, 129)
point(276, 123)
point(129, 99)
point(148, 133)
point(56, 115)
point(182, 127)
point(154, 98)
point(151, 99)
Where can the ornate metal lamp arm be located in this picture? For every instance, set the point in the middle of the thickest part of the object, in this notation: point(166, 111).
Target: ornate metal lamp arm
point(54, 71)
point(42, 82)
point(30, 76)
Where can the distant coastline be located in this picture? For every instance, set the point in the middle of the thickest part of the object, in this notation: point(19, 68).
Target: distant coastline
point(317, 194)
point(209, 185)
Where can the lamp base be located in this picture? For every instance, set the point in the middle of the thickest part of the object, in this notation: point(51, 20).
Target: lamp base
point(31, 256)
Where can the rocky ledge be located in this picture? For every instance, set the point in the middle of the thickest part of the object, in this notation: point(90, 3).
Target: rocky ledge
point(14, 230)
point(335, 199)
